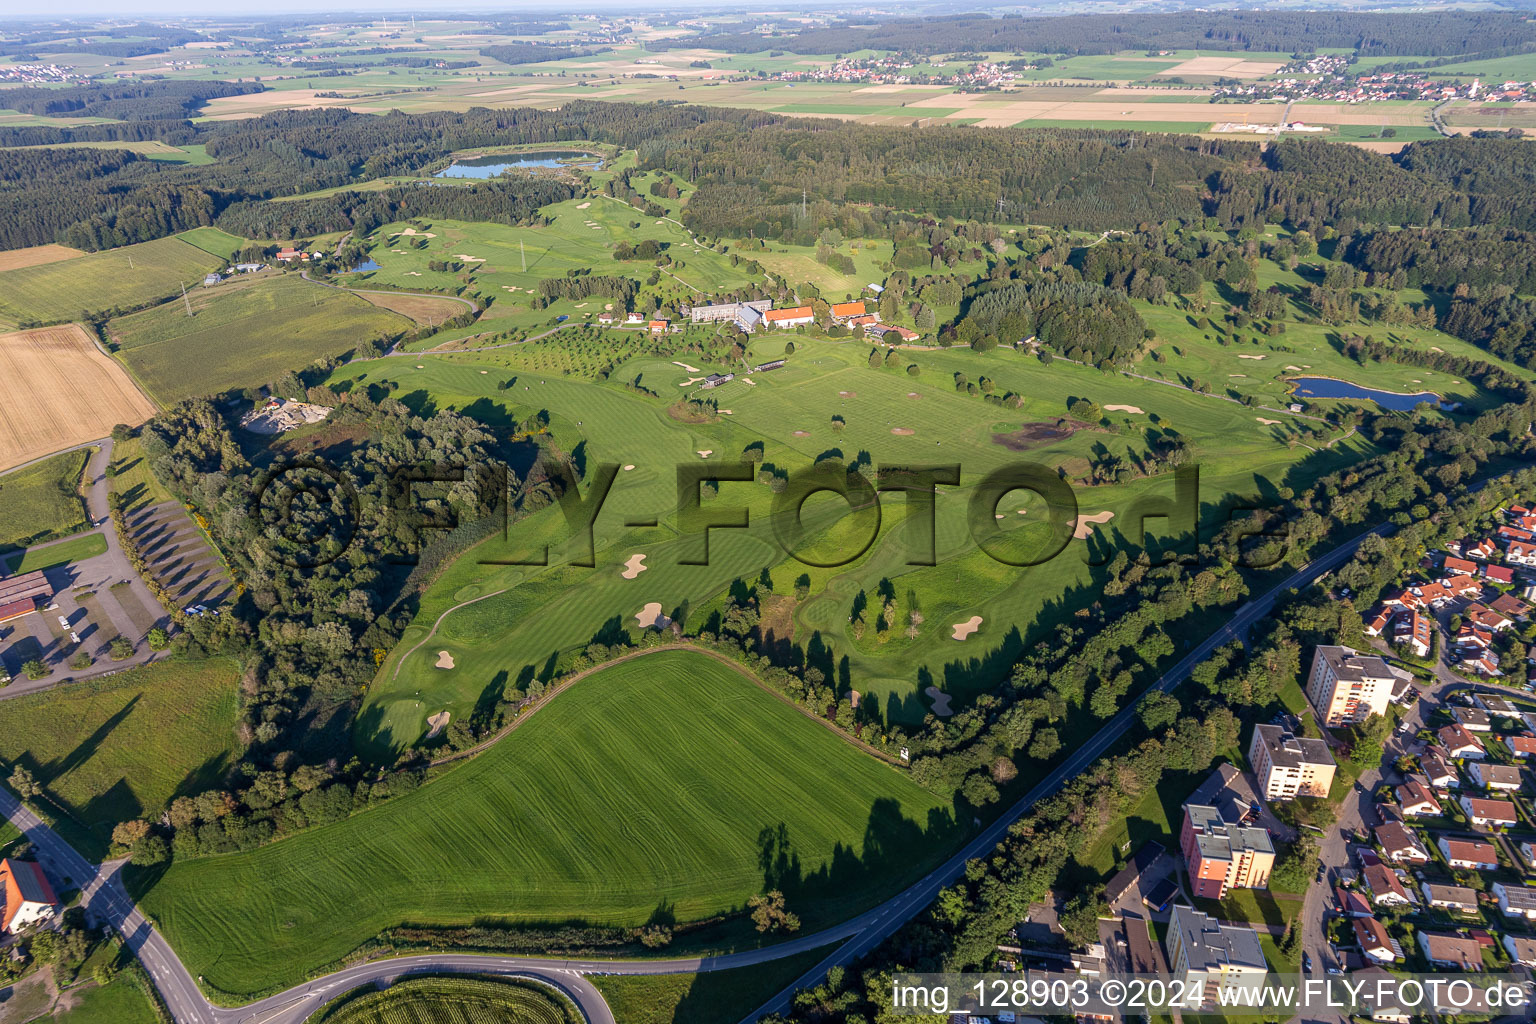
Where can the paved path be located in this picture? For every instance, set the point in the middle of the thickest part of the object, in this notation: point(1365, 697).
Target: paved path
point(104, 896)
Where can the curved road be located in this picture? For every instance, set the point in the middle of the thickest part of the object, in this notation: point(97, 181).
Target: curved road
point(104, 897)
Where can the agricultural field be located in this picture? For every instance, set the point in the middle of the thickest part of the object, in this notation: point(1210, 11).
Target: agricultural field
point(124, 746)
point(63, 391)
point(42, 501)
point(644, 786)
point(36, 256)
point(243, 333)
point(102, 282)
point(453, 1000)
point(700, 998)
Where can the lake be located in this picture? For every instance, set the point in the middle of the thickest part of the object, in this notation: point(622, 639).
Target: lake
point(490, 166)
point(1328, 387)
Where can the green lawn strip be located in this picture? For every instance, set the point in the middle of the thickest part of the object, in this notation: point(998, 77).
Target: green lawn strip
point(706, 998)
point(132, 479)
point(76, 549)
point(648, 785)
point(42, 502)
point(121, 747)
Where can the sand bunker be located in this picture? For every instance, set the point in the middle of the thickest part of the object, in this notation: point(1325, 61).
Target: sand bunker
point(691, 380)
point(801, 433)
point(413, 273)
point(1237, 375)
point(940, 702)
point(1267, 423)
point(438, 722)
point(634, 567)
point(903, 431)
point(1293, 368)
point(748, 381)
point(1125, 408)
point(583, 206)
point(690, 369)
point(1081, 530)
point(705, 453)
point(966, 628)
point(420, 366)
point(1246, 356)
point(414, 233)
point(629, 467)
point(848, 394)
point(650, 617)
point(913, 394)
point(444, 659)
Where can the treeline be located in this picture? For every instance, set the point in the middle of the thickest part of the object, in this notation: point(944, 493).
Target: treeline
point(510, 200)
point(132, 40)
point(125, 100)
point(533, 53)
point(1081, 320)
point(1445, 260)
point(1394, 34)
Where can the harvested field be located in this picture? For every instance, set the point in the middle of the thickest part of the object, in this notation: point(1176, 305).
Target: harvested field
point(420, 308)
point(36, 256)
point(1225, 67)
point(62, 391)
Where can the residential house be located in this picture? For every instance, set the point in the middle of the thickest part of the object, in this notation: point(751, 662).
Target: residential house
point(659, 326)
point(794, 316)
point(29, 899)
point(1346, 687)
point(1417, 799)
point(1351, 904)
point(1489, 813)
point(1379, 621)
point(1460, 743)
point(1438, 772)
point(634, 318)
point(1463, 586)
point(1452, 897)
point(1386, 889)
point(1459, 567)
point(607, 317)
point(1222, 854)
point(1482, 662)
point(1483, 549)
point(1374, 941)
point(1442, 949)
point(878, 331)
point(1399, 844)
point(1219, 956)
point(1472, 719)
point(1288, 766)
point(1484, 617)
point(289, 255)
point(1503, 777)
point(1496, 705)
point(862, 321)
point(1468, 854)
point(1520, 552)
point(1522, 745)
point(1521, 949)
point(1511, 606)
point(1507, 533)
point(1499, 574)
point(843, 311)
point(1516, 900)
point(1529, 853)
point(1413, 631)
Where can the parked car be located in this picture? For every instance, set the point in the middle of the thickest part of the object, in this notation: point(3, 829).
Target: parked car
point(1306, 962)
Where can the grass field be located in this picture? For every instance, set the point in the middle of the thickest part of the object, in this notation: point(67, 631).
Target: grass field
point(244, 333)
point(641, 790)
point(706, 998)
point(63, 391)
point(119, 1001)
point(122, 747)
point(102, 281)
point(42, 501)
point(452, 1000)
point(75, 550)
point(132, 479)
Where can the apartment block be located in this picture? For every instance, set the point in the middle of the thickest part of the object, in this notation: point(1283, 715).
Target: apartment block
point(1288, 765)
point(1222, 855)
point(1346, 687)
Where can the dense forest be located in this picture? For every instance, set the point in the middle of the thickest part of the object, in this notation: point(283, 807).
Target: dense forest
point(1396, 34)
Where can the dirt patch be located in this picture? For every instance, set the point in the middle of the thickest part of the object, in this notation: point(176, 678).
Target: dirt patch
point(961, 630)
point(940, 702)
point(420, 308)
point(444, 660)
point(1267, 423)
point(777, 621)
point(1125, 408)
point(438, 723)
point(634, 567)
point(650, 617)
point(903, 431)
point(1036, 435)
point(1085, 523)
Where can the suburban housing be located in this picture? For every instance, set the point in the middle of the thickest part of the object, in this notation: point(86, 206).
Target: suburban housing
point(29, 899)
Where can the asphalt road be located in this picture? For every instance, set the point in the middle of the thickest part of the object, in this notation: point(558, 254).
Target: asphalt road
point(104, 896)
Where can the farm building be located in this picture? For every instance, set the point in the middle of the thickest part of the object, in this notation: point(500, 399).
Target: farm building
point(250, 268)
point(29, 899)
point(842, 311)
point(659, 326)
point(745, 315)
point(879, 330)
point(794, 316)
point(211, 279)
point(19, 594)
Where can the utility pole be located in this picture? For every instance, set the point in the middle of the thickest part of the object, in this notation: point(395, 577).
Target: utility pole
point(523, 249)
point(1000, 205)
point(185, 299)
point(802, 204)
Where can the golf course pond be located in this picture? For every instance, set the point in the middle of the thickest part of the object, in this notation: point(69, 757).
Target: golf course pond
point(490, 166)
point(1332, 387)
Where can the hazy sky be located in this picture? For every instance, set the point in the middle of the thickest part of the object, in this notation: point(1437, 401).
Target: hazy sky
point(28, 10)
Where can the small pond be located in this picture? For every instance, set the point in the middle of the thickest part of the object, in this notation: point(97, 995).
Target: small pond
point(365, 266)
point(1328, 387)
point(490, 166)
